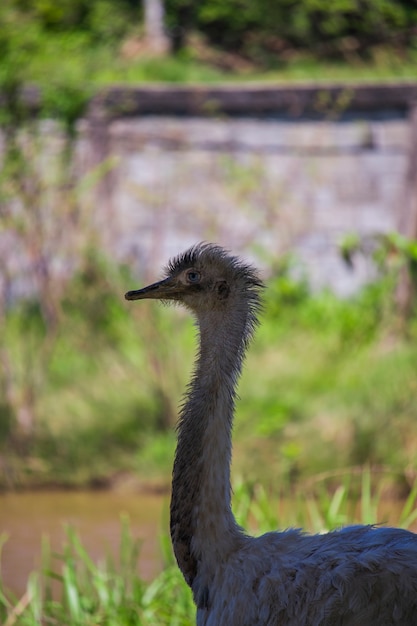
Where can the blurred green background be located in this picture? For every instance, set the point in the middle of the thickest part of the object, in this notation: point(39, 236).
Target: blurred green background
point(89, 385)
point(80, 371)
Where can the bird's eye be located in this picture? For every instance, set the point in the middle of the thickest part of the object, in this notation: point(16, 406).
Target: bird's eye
point(193, 276)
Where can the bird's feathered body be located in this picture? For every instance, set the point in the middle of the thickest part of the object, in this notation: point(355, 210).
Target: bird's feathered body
point(355, 576)
point(351, 577)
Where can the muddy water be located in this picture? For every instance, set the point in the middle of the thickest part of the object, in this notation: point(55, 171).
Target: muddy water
point(26, 518)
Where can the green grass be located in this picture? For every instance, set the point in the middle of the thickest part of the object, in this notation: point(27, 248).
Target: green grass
point(73, 590)
point(327, 385)
point(72, 60)
point(335, 392)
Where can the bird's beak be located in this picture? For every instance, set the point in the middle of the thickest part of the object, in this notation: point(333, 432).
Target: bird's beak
point(163, 290)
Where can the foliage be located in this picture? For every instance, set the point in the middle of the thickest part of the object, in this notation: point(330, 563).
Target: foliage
point(258, 29)
point(80, 371)
point(108, 379)
point(62, 95)
point(335, 389)
point(390, 251)
point(72, 590)
point(265, 31)
point(56, 55)
point(269, 34)
point(395, 258)
point(99, 19)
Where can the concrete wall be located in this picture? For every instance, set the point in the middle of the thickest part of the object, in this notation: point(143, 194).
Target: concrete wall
point(262, 171)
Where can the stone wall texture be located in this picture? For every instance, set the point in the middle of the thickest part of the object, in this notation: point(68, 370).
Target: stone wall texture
point(264, 180)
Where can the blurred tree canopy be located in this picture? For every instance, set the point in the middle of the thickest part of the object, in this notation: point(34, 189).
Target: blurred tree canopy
point(256, 29)
point(98, 18)
point(318, 25)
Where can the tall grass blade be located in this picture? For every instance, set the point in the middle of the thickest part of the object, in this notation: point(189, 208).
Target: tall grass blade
point(71, 591)
point(368, 512)
point(409, 510)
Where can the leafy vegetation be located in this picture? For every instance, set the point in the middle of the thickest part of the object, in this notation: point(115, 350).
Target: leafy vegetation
point(72, 589)
point(264, 30)
point(259, 30)
point(80, 371)
point(328, 383)
point(72, 49)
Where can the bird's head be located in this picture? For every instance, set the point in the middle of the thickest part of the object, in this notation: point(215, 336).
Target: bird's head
point(205, 278)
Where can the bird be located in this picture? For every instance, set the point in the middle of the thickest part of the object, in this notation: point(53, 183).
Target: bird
point(360, 575)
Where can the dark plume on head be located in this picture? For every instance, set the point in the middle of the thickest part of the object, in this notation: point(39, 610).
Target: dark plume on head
point(216, 278)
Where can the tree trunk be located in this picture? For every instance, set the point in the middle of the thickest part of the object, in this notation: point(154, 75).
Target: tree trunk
point(407, 223)
point(157, 42)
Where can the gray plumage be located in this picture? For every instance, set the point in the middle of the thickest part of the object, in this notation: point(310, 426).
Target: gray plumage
point(356, 576)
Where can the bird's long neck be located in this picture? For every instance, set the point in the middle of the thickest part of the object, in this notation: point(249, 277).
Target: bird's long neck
point(203, 528)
